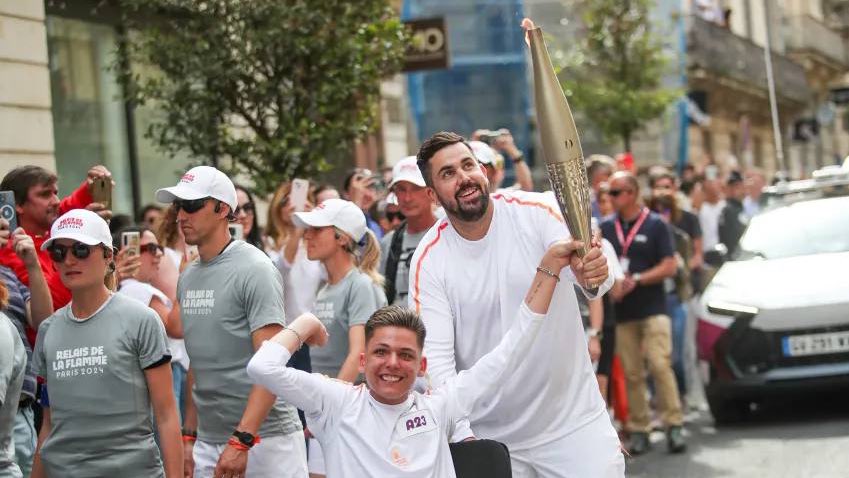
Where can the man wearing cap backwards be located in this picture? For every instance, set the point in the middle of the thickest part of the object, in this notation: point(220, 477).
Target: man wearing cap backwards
point(230, 300)
point(397, 247)
point(468, 275)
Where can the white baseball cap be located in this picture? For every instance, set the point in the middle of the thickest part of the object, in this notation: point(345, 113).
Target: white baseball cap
point(342, 214)
point(198, 183)
point(407, 170)
point(80, 225)
point(484, 153)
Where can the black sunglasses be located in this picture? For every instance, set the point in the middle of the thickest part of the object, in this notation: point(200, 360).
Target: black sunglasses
point(58, 252)
point(617, 192)
point(151, 248)
point(247, 208)
point(392, 215)
point(191, 206)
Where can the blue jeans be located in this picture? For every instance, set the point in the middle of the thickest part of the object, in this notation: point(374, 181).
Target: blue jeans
point(678, 316)
point(25, 437)
point(179, 375)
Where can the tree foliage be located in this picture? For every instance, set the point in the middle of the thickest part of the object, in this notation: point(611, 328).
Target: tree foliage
point(272, 87)
point(613, 74)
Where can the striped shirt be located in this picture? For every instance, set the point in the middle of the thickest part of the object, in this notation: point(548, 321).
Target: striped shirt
point(19, 295)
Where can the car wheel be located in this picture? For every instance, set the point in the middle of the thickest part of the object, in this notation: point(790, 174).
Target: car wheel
point(727, 411)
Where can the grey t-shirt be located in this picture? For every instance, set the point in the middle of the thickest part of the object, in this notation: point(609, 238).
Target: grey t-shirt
point(222, 302)
point(408, 247)
point(13, 364)
point(349, 302)
point(101, 417)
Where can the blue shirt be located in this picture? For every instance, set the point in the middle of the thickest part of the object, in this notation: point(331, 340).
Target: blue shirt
point(19, 295)
point(651, 244)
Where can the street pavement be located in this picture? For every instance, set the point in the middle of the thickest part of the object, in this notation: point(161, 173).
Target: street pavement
point(789, 438)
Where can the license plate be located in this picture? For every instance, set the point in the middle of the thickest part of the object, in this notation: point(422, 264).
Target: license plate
point(815, 344)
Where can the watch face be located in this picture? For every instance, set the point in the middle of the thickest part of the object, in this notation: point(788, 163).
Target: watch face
point(244, 437)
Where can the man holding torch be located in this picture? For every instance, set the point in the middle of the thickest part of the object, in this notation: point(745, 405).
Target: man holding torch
point(467, 275)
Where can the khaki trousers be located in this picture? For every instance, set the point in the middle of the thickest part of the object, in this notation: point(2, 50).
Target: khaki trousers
point(648, 341)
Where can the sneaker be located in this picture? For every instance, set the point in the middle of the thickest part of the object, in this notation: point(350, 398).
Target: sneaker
point(675, 440)
point(639, 443)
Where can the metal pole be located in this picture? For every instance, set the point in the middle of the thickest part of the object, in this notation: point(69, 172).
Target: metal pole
point(773, 106)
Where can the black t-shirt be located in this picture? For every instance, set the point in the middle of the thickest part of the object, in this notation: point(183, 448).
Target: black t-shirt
point(689, 223)
point(651, 245)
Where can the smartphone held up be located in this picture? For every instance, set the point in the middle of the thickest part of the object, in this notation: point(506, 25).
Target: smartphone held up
point(7, 209)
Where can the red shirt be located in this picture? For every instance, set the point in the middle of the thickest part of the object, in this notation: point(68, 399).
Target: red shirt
point(60, 294)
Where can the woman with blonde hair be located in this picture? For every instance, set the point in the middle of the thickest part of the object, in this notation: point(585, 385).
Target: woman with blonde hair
point(337, 236)
point(285, 246)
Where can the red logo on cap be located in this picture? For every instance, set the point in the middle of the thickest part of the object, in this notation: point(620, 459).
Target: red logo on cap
point(187, 178)
point(70, 223)
point(409, 167)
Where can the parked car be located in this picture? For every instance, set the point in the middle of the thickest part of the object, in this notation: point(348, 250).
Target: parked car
point(775, 317)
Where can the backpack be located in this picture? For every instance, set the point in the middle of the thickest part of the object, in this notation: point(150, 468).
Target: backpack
point(395, 249)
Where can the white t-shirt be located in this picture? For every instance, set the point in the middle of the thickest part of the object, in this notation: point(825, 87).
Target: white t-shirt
point(363, 437)
point(177, 346)
point(709, 221)
point(466, 292)
point(301, 281)
point(144, 293)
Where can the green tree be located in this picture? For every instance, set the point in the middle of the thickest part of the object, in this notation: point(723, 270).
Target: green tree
point(613, 74)
point(274, 88)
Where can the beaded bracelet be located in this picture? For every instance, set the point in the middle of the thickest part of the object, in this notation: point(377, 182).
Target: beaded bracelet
point(300, 340)
point(548, 272)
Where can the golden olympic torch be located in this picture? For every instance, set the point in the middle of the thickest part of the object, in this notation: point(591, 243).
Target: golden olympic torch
point(561, 147)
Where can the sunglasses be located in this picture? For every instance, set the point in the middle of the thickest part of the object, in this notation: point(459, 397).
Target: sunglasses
point(191, 206)
point(617, 192)
point(58, 252)
point(393, 215)
point(247, 208)
point(151, 248)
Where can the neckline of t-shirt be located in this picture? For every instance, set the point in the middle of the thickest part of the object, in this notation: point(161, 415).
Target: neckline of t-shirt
point(76, 320)
point(492, 226)
point(345, 278)
point(223, 253)
point(406, 404)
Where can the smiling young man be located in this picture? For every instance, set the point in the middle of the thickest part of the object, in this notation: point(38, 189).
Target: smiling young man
point(230, 300)
point(467, 277)
point(385, 428)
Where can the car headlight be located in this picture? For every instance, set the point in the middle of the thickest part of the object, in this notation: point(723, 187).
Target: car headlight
point(731, 309)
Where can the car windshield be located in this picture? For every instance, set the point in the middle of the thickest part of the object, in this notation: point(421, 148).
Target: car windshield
point(808, 227)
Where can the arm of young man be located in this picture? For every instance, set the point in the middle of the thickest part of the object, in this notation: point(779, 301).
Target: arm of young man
point(492, 369)
point(161, 391)
point(315, 394)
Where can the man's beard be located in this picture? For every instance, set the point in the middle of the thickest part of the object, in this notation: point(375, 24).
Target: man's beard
point(471, 213)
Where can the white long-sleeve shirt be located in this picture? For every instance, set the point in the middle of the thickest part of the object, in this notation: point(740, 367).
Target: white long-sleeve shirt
point(466, 292)
point(363, 437)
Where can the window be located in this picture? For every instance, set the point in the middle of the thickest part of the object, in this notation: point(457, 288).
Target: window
point(89, 118)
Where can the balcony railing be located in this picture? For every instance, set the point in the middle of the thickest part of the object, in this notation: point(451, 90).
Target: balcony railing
point(806, 34)
point(719, 51)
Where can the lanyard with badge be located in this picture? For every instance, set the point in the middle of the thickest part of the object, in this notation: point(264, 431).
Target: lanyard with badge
point(626, 242)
